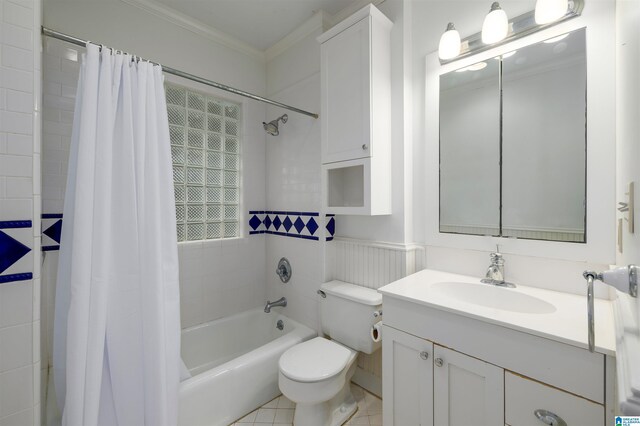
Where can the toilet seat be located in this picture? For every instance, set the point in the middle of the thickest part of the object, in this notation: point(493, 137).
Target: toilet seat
point(315, 360)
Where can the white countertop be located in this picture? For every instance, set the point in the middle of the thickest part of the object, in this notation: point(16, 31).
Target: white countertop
point(566, 324)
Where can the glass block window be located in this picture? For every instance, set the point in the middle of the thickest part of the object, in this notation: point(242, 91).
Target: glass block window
point(205, 147)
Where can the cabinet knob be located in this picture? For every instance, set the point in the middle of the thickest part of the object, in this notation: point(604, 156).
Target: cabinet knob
point(364, 146)
point(439, 362)
point(424, 355)
point(549, 418)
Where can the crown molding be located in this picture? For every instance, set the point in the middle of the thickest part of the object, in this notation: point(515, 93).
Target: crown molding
point(320, 20)
point(196, 27)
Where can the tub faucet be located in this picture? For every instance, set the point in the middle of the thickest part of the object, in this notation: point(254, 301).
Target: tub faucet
point(495, 272)
point(280, 302)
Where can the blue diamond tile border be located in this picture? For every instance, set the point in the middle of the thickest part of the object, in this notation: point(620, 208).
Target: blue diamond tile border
point(305, 225)
point(51, 231)
point(16, 243)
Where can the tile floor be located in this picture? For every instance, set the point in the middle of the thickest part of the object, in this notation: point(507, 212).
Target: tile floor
point(279, 412)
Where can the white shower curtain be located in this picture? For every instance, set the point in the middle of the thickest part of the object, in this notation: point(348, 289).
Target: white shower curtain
point(117, 317)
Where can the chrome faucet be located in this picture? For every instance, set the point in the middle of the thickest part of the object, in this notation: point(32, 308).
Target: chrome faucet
point(495, 272)
point(280, 302)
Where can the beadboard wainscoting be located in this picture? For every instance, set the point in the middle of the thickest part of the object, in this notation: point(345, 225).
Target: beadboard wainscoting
point(371, 264)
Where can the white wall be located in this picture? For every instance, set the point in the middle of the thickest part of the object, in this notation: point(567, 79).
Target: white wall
point(628, 121)
point(430, 19)
point(20, 202)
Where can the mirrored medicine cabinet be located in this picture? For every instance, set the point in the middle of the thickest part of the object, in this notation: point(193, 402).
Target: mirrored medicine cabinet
point(513, 143)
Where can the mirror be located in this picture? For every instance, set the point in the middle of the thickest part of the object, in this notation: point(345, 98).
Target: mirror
point(513, 144)
point(470, 150)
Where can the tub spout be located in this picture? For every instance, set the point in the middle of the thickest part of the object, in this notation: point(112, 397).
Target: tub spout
point(280, 302)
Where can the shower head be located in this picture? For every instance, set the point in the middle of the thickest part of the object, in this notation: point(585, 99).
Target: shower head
point(272, 126)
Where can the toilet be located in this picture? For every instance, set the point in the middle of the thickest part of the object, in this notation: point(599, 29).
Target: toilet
point(316, 374)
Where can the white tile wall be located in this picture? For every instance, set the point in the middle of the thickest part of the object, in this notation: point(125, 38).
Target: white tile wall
point(220, 278)
point(293, 177)
point(305, 257)
point(19, 200)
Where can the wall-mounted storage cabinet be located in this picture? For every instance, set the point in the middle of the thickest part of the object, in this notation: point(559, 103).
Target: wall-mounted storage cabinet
point(355, 114)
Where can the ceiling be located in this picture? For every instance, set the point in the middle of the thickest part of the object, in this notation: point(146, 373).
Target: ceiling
point(259, 23)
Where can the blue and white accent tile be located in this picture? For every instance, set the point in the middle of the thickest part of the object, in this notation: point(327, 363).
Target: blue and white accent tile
point(305, 225)
point(330, 226)
point(16, 254)
point(51, 231)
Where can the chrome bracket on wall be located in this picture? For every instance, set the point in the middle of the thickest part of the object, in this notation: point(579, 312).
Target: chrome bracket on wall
point(284, 270)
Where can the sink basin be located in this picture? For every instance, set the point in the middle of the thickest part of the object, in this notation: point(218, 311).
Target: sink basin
point(493, 297)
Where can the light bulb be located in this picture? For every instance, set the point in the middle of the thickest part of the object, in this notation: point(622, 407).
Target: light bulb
point(449, 43)
point(496, 25)
point(550, 10)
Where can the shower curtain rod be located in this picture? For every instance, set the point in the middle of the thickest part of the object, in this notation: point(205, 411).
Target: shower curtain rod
point(74, 40)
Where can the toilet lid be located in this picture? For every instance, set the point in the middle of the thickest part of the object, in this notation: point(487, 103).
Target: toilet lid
point(314, 360)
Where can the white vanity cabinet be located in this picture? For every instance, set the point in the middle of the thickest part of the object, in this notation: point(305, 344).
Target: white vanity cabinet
point(456, 362)
point(430, 385)
point(356, 113)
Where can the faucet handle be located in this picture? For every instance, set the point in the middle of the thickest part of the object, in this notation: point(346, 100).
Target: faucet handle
point(496, 258)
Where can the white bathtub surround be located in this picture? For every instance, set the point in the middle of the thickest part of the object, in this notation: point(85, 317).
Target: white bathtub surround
point(118, 254)
point(279, 411)
point(234, 365)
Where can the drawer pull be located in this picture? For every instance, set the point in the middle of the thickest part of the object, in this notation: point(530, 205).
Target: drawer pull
point(439, 362)
point(548, 418)
point(424, 355)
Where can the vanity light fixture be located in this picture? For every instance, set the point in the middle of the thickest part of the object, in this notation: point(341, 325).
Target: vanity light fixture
point(497, 29)
point(548, 11)
point(496, 25)
point(449, 46)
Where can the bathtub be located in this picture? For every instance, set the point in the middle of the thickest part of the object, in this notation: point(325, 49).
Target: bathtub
point(233, 362)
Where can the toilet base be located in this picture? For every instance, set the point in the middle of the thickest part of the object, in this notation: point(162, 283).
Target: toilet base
point(331, 413)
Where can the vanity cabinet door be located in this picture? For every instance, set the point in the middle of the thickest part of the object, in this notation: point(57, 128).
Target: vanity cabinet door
point(466, 390)
point(407, 383)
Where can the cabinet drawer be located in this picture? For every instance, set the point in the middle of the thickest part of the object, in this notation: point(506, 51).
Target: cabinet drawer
point(523, 397)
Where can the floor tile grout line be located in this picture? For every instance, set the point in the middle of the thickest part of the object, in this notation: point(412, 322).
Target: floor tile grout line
point(359, 393)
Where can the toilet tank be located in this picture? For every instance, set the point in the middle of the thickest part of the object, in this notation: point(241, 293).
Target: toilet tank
point(346, 314)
